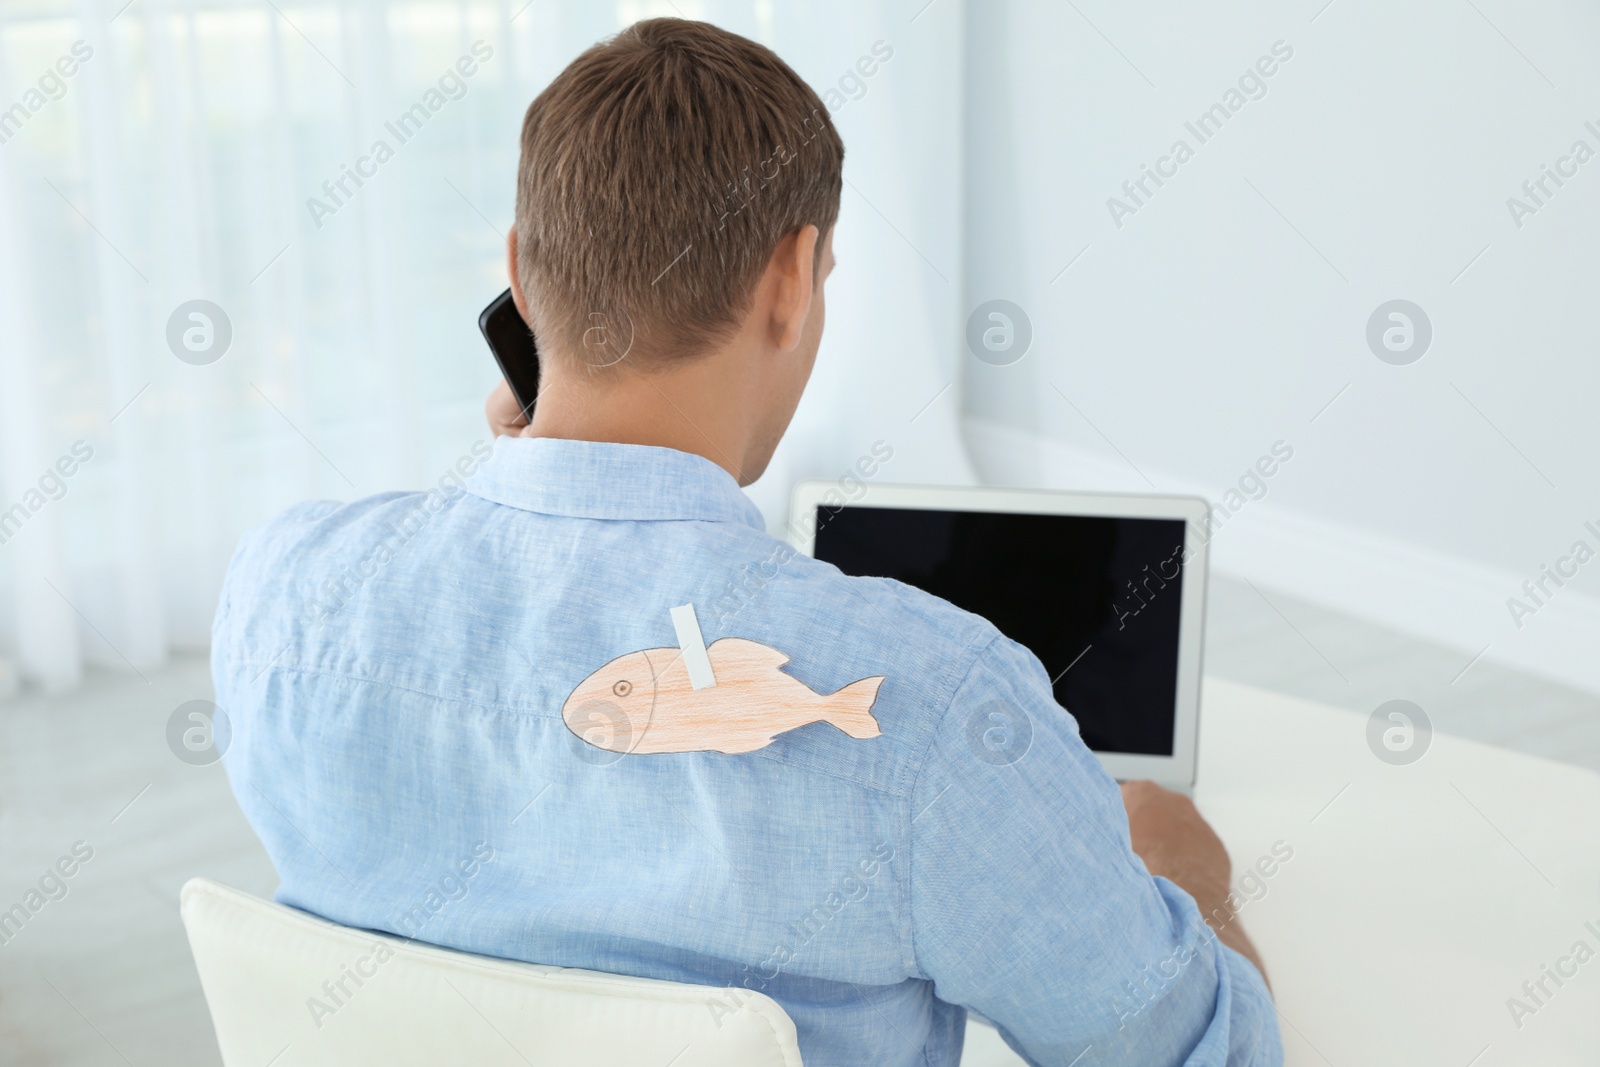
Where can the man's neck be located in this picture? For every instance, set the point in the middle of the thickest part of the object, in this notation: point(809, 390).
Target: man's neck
point(697, 407)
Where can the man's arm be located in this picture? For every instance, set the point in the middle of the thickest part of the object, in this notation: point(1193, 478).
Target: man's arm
point(1176, 843)
point(1030, 906)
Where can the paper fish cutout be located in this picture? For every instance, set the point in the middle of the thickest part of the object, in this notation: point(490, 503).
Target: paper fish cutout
point(643, 702)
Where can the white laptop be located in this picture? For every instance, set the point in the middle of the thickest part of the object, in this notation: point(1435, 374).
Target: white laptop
point(1108, 591)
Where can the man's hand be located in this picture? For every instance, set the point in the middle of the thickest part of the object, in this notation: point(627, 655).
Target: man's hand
point(1176, 843)
point(504, 413)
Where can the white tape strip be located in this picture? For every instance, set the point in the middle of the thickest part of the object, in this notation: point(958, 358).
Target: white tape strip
point(693, 645)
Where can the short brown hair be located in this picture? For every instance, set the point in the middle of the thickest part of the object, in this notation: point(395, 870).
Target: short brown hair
point(659, 173)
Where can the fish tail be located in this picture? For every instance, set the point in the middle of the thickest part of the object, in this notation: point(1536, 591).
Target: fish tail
point(850, 709)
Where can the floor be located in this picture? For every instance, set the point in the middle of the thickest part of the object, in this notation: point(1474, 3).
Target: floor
point(103, 975)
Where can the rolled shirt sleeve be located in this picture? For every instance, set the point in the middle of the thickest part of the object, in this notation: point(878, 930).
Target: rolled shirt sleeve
point(1029, 906)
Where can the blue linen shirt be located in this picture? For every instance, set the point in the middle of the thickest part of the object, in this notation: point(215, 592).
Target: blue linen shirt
point(394, 672)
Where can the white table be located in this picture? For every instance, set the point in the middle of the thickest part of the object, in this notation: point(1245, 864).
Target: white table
point(1419, 897)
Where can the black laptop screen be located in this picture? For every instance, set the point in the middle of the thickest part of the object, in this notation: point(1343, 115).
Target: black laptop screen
point(1098, 600)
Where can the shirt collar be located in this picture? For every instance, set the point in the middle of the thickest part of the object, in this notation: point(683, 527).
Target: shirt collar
point(606, 480)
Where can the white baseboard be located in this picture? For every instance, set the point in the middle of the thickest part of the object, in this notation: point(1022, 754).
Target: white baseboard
point(1446, 600)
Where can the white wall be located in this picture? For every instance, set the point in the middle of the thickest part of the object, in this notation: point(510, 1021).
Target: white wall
point(1231, 307)
point(979, 158)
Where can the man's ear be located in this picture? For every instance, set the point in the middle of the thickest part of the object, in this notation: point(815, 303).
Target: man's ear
point(516, 282)
point(794, 275)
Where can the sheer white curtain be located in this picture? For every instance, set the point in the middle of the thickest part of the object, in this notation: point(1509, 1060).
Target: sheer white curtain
point(175, 163)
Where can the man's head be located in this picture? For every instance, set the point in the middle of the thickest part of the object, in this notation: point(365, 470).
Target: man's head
point(675, 204)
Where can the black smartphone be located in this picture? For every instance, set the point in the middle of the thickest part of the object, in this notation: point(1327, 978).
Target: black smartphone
point(514, 349)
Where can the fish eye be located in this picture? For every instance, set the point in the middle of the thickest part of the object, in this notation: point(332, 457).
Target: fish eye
point(622, 688)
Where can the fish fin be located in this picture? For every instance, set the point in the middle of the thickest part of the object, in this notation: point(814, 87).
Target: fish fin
point(753, 653)
point(850, 709)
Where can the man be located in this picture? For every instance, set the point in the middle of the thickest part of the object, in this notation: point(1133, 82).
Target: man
point(586, 712)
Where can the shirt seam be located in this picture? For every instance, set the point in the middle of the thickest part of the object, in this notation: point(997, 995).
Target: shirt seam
point(743, 520)
point(499, 707)
point(337, 676)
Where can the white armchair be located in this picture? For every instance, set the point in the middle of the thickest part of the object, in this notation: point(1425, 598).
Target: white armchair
point(291, 990)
